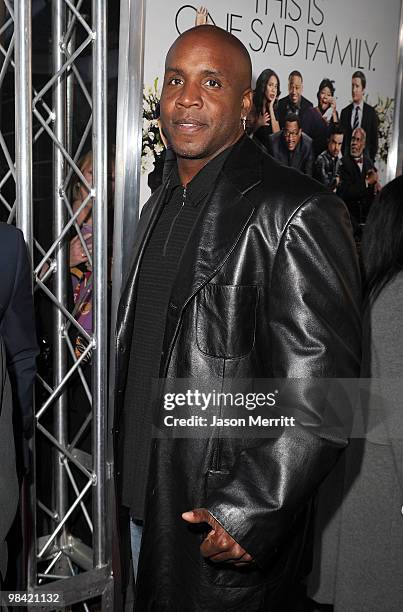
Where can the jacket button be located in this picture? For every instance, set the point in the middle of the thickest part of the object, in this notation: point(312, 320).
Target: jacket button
point(173, 306)
point(122, 348)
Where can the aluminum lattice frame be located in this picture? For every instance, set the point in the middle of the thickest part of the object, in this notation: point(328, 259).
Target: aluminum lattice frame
point(79, 480)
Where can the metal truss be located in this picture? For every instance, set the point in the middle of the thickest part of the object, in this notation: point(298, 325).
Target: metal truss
point(72, 482)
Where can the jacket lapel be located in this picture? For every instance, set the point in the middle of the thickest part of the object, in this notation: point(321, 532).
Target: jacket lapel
point(220, 224)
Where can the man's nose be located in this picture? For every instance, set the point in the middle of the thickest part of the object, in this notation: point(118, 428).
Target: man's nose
point(189, 95)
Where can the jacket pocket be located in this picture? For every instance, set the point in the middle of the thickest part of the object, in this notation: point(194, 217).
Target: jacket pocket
point(226, 320)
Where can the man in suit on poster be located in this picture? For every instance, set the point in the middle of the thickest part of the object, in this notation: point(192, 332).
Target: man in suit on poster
point(292, 147)
point(242, 269)
point(358, 180)
point(360, 114)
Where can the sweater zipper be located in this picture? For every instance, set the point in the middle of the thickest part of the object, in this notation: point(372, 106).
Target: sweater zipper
point(164, 252)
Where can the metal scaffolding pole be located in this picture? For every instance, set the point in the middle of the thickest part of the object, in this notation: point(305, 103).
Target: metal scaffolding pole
point(60, 561)
point(60, 356)
point(100, 221)
point(128, 137)
point(23, 119)
point(127, 189)
point(128, 154)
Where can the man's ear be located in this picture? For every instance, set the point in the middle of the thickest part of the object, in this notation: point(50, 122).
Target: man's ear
point(247, 101)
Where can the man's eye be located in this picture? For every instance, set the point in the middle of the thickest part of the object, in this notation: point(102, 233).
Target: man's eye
point(213, 83)
point(175, 81)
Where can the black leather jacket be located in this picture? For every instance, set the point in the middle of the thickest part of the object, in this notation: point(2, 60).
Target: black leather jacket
point(268, 286)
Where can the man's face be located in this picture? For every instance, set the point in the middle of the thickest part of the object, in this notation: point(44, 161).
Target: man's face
point(203, 98)
point(295, 89)
point(292, 134)
point(357, 90)
point(357, 144)
point(334, 145)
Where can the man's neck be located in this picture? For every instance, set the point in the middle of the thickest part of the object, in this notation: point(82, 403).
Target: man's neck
point(189, 167)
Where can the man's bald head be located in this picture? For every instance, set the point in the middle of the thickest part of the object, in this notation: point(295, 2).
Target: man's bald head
point(206, 95)
point(228, 44)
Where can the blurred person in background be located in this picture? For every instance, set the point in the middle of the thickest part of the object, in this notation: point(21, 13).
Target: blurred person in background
point(80, 254)
point(81, 299)
point(359, 527)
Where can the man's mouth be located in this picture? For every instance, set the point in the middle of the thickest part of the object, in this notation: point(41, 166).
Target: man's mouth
point(188, 125)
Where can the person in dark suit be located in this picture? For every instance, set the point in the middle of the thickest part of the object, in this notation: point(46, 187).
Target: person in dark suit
point(242, 268)
point(8, 470)
point(358, 180)
point(17, 329)
point(17, 321)
point(360, 114)
point(294, 103)
point(291, 147)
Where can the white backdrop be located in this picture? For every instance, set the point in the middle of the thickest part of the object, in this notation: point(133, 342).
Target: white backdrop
point(320, 38)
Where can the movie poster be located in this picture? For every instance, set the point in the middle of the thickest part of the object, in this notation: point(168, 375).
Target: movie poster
point(320, 38)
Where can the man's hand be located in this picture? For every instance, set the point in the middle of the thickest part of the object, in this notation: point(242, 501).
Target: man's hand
point(218, 545)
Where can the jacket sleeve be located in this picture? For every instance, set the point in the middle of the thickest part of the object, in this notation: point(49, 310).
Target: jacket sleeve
point(314, 319)
point(18, 331)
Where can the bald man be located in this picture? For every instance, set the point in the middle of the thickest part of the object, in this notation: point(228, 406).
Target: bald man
point(242, 269)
